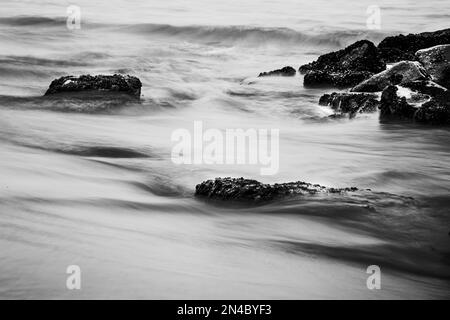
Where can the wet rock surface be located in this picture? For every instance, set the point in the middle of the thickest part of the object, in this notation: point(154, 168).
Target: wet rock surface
point(344, 68)
point(283, 72)
point(350, 103)
point(393, 105)
point(431, 110)
point(436, 111)
point(247, 190)
point(404, 47)
point(317, 79)
point(100, 83)
point(436, 61)
point(425, 87)
point(400, 73)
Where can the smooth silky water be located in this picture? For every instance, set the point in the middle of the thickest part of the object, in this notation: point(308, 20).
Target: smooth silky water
point(92, 183)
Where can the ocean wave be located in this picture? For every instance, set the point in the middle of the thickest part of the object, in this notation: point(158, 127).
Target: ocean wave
point(210, 34)
point(247, 34)
point(19, 21)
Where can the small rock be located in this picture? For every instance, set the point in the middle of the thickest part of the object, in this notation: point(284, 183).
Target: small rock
point(101, 83)
point(350, 103)
point(283, 72)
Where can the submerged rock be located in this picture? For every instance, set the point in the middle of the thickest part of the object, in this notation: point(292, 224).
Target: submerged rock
point(240, 189)
point(399, 73)
point(350, 103)
point(401, 47)
point(436, 61)
point(283, 72)
point(343, 68)
point(100, 83)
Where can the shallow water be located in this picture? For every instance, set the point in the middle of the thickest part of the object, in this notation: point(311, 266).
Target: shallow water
point(93, 184)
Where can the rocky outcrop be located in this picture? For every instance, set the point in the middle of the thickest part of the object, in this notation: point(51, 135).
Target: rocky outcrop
point(415, 87)
point(246, 190)
point(101, 83)
point(283, 72)
point(350, 103)
point(436, 61)
point(401, 47)
point(344, 68)
point(436, 111)
point(399, 73)
point(431, 110)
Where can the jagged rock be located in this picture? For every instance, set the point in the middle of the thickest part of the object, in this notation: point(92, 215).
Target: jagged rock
point(240, 189)
point(436, 61)
point(400, 73)
point(350, 103)
point(401, 47)
point(283, 72)
point(393, 105)
point(345, 67)
point(100, 83)
point(436, 111)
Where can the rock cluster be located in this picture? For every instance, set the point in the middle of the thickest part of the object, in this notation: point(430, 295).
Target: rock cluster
point(360, 60)
point(414, 87)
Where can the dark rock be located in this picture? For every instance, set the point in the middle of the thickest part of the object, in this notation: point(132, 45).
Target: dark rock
point(345, 67)
point(240, 189)
point(101, 83)
point(393, 105)
point(318, 79)
point(402, 72)
point(436, 111)
point(401, 47)
point(283, 72)
point(436, 61)
point(420, 108)
point(350, 103)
